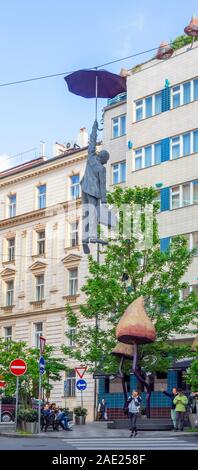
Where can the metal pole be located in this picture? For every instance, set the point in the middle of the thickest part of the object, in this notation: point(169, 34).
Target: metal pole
point(17, 399)
point(39, 405)
point(82, 398)
point(96, 110)
point(0, 406)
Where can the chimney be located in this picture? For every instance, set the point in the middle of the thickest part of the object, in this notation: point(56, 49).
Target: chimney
point(82, 138)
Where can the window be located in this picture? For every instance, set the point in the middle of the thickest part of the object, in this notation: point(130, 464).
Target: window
point(12, 205)
point(11, 249)
point(75, 186)
point(175, 147)
point(175, 197)
point(186, 194)
point(74, 233)
point(195, 192)
point(195, 141)
point(72, 332)
point(73, 281)
point(70, 389)
point(119, 173)
point(41, 243)
point(8, 333)
point(186, 144)
point(119, 126)
point(158, 103)
point(148, 156)
point(176, 95)
point(10, 293)
point(157, 153)
point(195, 242)
point(139, 110)
point(186, 92)
point(42, 196)
point(138, 159)
point(195, 86)
point(148, 105)
point(38, 331)
point(40, 287)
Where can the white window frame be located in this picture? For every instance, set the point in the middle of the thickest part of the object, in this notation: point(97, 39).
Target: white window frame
point(73, 282)
point(74, 230)
point(139, 107)
point(41, 243)
point(40, 287)
point(173, 144)
point(37, 334)
point(11, 249)
point(180, 192)
point(118, 125)
point(74, 188)
point(118, 172)
point(41, 196)
point(173, 93)
point(11, 206)
point(71, 381)
point(9, 293)
point(7, 337)
point(71, 339)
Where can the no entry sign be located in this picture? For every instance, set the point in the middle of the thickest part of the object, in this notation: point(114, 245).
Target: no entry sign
point(18, 367)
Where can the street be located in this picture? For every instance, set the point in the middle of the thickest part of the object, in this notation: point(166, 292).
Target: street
point(111, 443)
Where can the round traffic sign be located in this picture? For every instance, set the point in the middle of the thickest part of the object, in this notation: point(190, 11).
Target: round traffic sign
point(81, 384)
point(18, 367)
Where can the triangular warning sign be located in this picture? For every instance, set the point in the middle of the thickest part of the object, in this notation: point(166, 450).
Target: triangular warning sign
point(80, 371)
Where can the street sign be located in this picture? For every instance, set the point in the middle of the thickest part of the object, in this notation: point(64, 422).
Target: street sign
point(42, 365)
point(42, 344)
point(80, 371)
point(81, 385)
point(18, 367)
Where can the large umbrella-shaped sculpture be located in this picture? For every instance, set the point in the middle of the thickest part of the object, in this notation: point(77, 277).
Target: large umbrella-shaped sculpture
point(192, 28)
point(165, 51)
point(95, 84)
point(135, 327)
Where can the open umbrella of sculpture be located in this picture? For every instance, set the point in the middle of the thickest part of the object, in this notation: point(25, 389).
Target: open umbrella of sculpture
point(165, 51)
point(95, 84)
point(135, 328)
point(192, 28)
point(123, 351)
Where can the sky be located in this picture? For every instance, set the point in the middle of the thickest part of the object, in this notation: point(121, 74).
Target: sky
point(54, 36)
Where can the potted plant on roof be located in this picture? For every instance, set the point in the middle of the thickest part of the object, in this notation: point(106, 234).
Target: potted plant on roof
point(80, 415)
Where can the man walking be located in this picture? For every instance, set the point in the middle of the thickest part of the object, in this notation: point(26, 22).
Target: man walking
point(173, 412)
point(180, 402)
point(133, 404)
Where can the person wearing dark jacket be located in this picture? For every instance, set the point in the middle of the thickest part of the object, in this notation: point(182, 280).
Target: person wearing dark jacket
point(133, 406)
point(173, 411)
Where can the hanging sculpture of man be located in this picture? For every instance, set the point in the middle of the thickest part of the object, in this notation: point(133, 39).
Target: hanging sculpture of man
point(93, 186)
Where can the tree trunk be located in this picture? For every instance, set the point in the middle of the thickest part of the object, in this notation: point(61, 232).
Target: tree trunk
point(138, 375)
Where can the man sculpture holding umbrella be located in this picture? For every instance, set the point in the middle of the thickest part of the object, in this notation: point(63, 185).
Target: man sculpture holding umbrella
point(93, 186)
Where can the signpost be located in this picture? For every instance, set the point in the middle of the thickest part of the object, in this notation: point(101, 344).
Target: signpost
point(2, 385)
point(81, 385)
point(41, 372)
point(17, 367)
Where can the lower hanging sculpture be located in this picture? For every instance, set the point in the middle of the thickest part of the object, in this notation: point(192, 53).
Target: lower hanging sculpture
point(135, 328)
point(123, 351)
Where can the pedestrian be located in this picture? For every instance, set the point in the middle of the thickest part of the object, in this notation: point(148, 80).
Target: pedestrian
point(172, 395)
point(133, 405)
point(180, 402)
point(102, 410)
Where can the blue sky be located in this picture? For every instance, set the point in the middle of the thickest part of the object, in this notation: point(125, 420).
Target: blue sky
point(51, 36)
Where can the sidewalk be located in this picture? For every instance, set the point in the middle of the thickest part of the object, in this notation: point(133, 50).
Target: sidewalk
point(95, 430)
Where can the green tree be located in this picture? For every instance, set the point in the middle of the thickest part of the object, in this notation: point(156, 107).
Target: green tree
point(192, 374)
point(126, 272)
point(28, 388)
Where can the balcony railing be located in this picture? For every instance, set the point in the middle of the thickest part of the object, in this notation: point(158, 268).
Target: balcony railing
point(117, 99)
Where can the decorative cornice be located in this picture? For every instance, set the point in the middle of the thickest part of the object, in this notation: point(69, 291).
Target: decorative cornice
point(32, 173)
point(21, 219)
point(71, 299)
point(71, 259)
point(46, 311)
point(37, 303)
point(38, 266)
point(7, 273)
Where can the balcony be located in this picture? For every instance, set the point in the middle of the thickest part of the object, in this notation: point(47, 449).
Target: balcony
point(117, 99)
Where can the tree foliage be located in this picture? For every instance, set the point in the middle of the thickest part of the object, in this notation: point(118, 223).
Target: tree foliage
point(156, 275)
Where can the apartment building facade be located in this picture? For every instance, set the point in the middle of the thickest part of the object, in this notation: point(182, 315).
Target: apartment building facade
point(42, 264)
point(159, 148)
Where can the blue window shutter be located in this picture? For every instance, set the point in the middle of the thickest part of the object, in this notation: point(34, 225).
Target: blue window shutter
point(165, 199)
point(165, 99)
point(165, 150)
point(164, 244)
